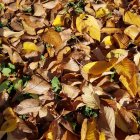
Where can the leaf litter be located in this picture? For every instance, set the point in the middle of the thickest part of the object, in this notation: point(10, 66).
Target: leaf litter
point(69, 70)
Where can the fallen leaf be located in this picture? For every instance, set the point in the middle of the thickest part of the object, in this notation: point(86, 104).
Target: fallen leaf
point(122, 40)
point(29, 47)
point(101, 12)
point(68, 136)
point(87, 23)
point(11, 120)
point(107, 122)
point(27, 106)
point(72, 66)
point(39, 10)
point(59, 20)
point(6, 32)
point(71, 91)
point(53, 38)
point(90, 98)
point(30, 30)
point(131, 18)
point(102, 136)
point(37, 86)
point(130, 85)
point(132, 31)
point(89, 130)
point(126, 68)
point(96, 68)
point(125, 120)
point(133, 137)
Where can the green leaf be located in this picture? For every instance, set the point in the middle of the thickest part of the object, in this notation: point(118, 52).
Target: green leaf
point(6, 71)
point(4, 85)
point(11, 66)
point(58, 28)
point(18, 83)
point(2, 6)
point(56, 86)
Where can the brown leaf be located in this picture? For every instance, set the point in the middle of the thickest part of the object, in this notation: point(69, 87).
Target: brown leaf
point(27, 106)
point(53, 38)
point(68, 136)
point(90, 98)
point(37, 86)
point(71, 91)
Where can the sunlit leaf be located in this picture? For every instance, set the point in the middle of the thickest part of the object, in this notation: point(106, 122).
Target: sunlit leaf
point(132, 31)
point(102, 136)
point(97, 67)
point(126, 68)
point(101, 12)
point(131, 18)
point(87, 23)
point(30, 46)
point(89, 130)
point(59, 20)
point(130, 85)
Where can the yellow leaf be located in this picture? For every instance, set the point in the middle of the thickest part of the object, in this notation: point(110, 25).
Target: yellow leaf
point(119, 54)
point(49, 136)
point(59, 20)
point(92, 131)
point(102, 136)
point(108, 41)
point(101, 12)
point(87, 23)
point(126, 68)
point(96, 68)
point(132, 31)
point(130, 85)
point(89, 130)
point(29, 47)
point(132, 18)
point(9, 125)
point(9, 114)
point(11, 120)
